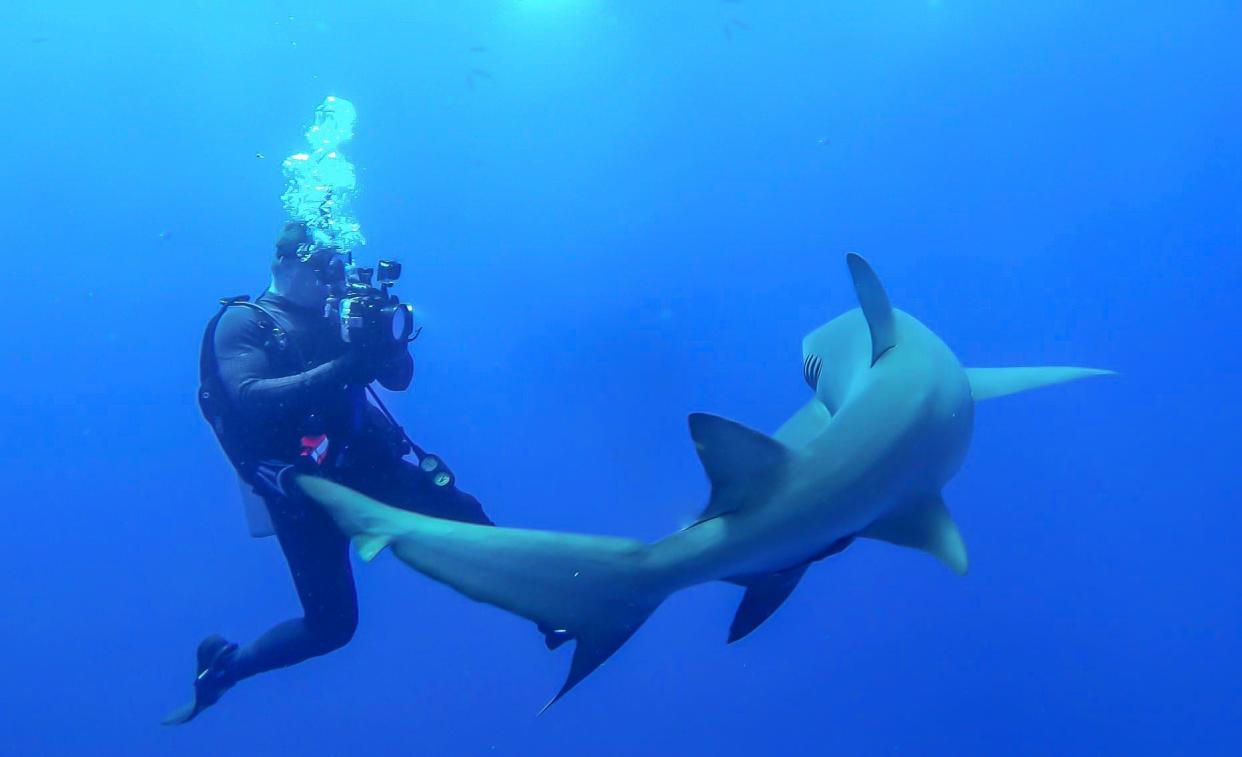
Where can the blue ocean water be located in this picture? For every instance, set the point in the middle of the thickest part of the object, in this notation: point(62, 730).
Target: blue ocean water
point(612, 214)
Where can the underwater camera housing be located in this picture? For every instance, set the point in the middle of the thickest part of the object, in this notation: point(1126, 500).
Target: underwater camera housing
point(368, 315)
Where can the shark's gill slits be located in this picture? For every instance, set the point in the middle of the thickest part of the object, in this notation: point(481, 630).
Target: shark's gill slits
point(810, 370)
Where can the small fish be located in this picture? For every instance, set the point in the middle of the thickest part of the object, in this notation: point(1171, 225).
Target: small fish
point(823, 141)
point(260, 155)
point(734, 23)
point(474, 74)
point(164, 235)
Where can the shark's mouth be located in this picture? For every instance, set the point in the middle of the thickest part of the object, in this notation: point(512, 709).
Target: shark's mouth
point(810, 370)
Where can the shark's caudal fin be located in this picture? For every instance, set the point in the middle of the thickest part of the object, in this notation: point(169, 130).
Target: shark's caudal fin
point(875, 306)
point(594, 590)
point(986, 383)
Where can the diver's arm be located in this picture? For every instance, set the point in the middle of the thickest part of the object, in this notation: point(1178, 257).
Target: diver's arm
point(246, 372)
point(396, 373)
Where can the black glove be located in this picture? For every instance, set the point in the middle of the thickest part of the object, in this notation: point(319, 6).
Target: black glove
point(359, 365)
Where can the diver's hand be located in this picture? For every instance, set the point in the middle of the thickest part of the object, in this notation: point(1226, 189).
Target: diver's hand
point(397, 370)
point(358, 366)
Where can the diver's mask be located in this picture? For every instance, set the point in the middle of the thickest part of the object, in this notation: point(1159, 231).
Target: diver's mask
point(328, 263)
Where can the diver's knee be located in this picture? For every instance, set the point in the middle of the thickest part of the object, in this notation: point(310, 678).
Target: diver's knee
point(334, 633)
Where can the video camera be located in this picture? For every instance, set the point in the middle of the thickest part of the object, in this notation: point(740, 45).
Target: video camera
point(368, 315)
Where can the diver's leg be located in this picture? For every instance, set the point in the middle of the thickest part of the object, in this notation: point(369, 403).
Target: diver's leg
point(404, 484)
point(318, 557)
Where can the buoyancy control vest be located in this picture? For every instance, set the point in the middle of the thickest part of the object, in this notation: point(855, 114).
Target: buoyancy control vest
point(217, 410)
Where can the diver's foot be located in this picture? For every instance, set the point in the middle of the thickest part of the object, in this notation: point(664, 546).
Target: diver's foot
point(210, 680)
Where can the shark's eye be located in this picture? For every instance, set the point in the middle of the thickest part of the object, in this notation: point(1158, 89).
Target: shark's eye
point(810, 370)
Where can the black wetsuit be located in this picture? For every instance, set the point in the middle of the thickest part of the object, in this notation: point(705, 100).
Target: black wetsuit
point(283, 381)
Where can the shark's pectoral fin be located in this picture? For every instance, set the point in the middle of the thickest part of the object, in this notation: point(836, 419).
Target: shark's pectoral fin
point(986, 383)
point(927, 526)
point(763, 595)
point(736, 459)
point(875, 306)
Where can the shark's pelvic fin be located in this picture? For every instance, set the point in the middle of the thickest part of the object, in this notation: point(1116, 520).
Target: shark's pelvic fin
point(736, 459)
point(875, 306)
point(927, 526)
point(763, 595)
point(805, 425)
point(986, 383)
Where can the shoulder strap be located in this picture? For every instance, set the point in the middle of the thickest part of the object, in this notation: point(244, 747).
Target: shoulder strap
point(258, 308)
point(207, 363)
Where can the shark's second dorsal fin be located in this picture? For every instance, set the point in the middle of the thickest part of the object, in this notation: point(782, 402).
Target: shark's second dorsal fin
point(736, 459)
point(875, 306)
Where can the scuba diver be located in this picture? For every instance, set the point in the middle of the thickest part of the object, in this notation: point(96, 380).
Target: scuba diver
point(285, 390)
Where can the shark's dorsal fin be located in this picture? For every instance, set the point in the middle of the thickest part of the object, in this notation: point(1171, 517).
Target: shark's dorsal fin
point(926, 526)
point(875, 306)
point(736, 459)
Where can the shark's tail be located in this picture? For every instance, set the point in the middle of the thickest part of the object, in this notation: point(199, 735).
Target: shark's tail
point(594, 590)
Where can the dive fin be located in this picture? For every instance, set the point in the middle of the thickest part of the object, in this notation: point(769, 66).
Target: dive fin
point(735, 458)
point(986, 383)
point(763, 596)
point(210, 679)
point(875, 306)
point(925, 526)
point(805, 425)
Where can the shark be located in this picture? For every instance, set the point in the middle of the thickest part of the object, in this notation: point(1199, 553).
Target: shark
point(867, 457)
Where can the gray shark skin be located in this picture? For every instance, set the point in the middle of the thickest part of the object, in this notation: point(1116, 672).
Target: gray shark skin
point(888, 426)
